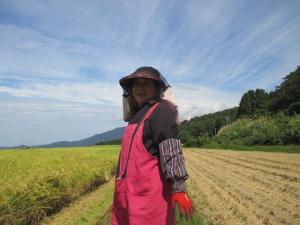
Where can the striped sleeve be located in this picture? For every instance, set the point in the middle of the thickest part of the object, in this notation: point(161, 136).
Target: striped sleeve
point(173, 164)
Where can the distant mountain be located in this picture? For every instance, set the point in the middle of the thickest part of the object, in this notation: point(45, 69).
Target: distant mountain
point(106, 136)
point(19, 146)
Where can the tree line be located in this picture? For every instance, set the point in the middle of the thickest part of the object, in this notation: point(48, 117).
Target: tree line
point(276, 108)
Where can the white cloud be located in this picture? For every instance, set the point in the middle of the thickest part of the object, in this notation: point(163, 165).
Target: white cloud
point(62, 108)
point(63, 59)
point(198, 100)
point(35, 121)
point(95, 93)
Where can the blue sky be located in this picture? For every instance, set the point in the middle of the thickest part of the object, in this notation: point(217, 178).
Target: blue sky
point(61, 61)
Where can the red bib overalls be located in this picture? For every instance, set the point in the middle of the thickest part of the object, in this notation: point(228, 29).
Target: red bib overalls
point(142, 197)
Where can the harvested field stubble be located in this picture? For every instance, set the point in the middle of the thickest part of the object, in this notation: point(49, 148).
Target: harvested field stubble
point(245, 187)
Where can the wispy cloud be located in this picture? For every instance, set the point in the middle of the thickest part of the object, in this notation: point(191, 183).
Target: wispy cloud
point(86, 93)
point(65, 59)
point(70, 110)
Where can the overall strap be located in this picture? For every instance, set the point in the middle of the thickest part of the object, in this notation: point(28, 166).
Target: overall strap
point(146, 115)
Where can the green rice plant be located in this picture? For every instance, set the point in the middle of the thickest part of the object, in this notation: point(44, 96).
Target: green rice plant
point(39, 182)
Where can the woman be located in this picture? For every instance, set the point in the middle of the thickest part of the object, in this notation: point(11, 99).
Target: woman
point(151, 171)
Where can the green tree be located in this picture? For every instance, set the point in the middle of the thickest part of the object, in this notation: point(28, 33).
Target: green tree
point(254, 103)
point(286, 96)
point(219, 123)
point(246, 104)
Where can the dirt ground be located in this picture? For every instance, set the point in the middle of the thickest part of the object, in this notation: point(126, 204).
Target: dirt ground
point(234, 187)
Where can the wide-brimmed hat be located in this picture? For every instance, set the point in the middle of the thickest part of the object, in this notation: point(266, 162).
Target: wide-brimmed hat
point(143, 72)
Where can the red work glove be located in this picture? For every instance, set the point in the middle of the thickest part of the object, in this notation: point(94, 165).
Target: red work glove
point(184, 203)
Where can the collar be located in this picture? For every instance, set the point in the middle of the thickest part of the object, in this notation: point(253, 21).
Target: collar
point(150, 102)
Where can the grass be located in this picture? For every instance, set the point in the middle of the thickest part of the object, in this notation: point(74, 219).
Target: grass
point(196, 219)
point(37, 182)
point(262, 148)
point(90, 209)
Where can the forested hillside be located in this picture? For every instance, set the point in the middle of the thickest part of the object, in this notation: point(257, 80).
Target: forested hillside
point(261, 118)
point(206, 125)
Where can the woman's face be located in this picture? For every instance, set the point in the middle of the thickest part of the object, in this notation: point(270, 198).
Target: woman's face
point(143, 89)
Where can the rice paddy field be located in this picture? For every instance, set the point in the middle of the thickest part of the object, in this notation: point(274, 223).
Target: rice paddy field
point(75, 186)
point(36, 183)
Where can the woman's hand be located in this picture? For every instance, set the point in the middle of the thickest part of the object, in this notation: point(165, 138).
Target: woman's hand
point(184, 203)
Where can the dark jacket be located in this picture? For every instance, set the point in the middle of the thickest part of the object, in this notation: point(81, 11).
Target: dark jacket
point(160, 138)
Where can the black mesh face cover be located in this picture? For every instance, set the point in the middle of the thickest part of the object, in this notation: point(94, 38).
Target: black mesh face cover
point(165, 81)
point(158, 87)
point(126, 91)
